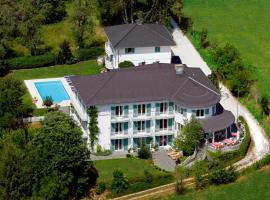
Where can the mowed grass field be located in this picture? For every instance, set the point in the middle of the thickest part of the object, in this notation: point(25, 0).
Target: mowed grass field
point(243, 23)
point(81, 68)
point(132, 168)
point(250, 187)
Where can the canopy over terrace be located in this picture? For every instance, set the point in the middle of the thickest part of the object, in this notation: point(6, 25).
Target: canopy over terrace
point(218, 127)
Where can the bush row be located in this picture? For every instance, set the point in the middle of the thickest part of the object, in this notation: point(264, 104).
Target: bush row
point(47, 59)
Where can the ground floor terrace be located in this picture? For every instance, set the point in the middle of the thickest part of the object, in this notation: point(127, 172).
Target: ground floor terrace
point(133, 143)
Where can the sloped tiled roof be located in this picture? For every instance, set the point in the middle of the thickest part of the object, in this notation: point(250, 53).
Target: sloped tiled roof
point(135, 35)
point(154, 82)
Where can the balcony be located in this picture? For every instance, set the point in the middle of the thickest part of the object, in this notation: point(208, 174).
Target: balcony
point(119, 118)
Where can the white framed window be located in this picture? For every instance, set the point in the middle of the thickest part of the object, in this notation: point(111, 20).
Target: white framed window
point(141, 126)
point(129, 50)
point(157, 49)
point(163, 124)
point(163, 107)
point(118, 128)
point(141, 109)
point(119, 111)
point(207, 111)
point(200, 113)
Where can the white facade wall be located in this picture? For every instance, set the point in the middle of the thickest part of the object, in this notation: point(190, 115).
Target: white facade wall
point(105, 119)
point(141, 54)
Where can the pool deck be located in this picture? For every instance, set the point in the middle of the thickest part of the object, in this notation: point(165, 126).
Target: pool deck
point(30, 84)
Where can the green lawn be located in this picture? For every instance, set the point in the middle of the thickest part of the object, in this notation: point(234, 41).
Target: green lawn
point(82, 68)
point(253, 186)
point(245, 24)
point(133, 168)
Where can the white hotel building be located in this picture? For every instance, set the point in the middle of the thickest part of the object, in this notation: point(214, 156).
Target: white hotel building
point(151, 102)
point(137, 43)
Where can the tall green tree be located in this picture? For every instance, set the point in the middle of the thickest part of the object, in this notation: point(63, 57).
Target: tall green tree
point(189, 137)
point(60, 159)
point(11, 104)
point(30, 24)
point(82, 19)
point(93, 125)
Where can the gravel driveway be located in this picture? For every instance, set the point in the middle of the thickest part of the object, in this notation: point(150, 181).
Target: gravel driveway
point(192, 58)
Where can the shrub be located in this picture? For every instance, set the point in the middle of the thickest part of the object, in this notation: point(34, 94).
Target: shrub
point(203, 38)
point(48, 101)
point(126, 64)
point(144, 151)
point(180, 175)
point(28, 62)
point(3, 69)
point(148, 176)
point(264, 102)
point(222, 176)
point(105, 152)
point(119, 183)
point(129, 155)
point(99, 149)
point(64, 55)
point(100, 188)
point(198, 176)
point(186, 24)
point(90, 53)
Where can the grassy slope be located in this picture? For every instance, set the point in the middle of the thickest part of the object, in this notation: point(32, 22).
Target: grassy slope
point(253, 186)
point(132, 168)
point(245, 24)
point(82, 68)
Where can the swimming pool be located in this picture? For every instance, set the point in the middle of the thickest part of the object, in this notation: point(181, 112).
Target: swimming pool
point(55, 89)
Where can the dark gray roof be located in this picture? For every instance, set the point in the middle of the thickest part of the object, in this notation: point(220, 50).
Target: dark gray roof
point(218, 122)
point(135, 35)
point(154, 82)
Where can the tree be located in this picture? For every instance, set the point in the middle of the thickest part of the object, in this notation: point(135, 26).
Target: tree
point(15, 176)
point(60, 159)
point(190, 136)
point(144, 151)
point(160, 12)
point(93, 125)
point(177, 9)
point(53, 10)
point(214, 79)
point(264, 102)
point(30, 24)
point(82, 19)
point(119, 181)
point(180, 175)
point(64, 55)
point(11, 106)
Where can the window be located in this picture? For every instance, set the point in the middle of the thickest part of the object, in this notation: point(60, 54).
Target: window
point(118, 127)
point(163, 124)
point(163, 107)
point(141, 126)
point(141, 109)
point(118, 110)
point(129, 50)
point(213, 110)
point(157, 49)
point(207, 111)
point(118, 144)
point(200, 113)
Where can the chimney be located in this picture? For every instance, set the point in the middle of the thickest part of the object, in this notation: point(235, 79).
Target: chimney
point(180, 68)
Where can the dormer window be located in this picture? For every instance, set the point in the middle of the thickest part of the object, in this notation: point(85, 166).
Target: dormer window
point(129, 50)
point(157, 49)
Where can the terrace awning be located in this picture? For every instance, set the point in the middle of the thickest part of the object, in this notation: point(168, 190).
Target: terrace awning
point(218, 122)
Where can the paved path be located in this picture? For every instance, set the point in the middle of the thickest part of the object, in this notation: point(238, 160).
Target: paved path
point(163, 161)
point(191, 57)
point(114, 155)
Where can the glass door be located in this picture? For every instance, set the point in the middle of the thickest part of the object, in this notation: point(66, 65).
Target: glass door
point(118, 144)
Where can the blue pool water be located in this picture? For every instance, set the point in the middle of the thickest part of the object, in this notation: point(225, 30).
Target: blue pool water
point(55, 89)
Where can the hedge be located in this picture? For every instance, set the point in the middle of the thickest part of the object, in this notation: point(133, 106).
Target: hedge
point(89, 53)
point(126, 64)
point(28, 62)
point(236, 154)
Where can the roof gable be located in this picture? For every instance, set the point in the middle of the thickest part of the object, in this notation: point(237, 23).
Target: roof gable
point(134, 35)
